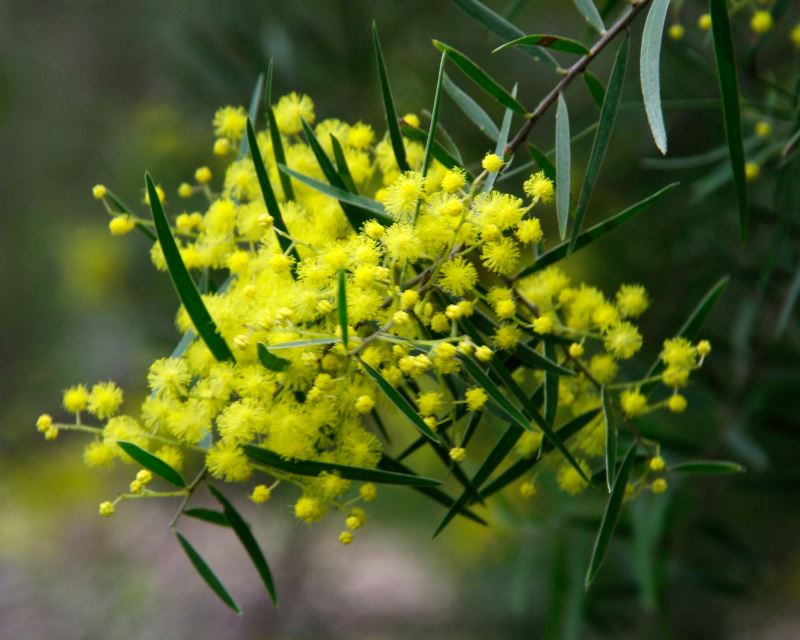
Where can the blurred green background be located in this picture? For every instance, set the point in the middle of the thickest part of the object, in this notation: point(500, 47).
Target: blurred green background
point(99, 91)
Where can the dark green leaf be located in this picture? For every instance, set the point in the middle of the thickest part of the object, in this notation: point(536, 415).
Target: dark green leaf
point(788, 304)
point(437, 99)
point(559, 43)
point(726, 70)
point(372, 210)
point(341, 305)
point(710, 467)
point(341, 165)
point(595, 87)
point(563, 165)
point(388, 105)
point(605, 127)
point(207, 574)
point(123, 208)
point(611, 439)
point(399, 401)
point(471, 109)
point(481, 78)
point(650, 73)
point(550, 386)
point(596, 232)
point(280, 156)
point(499, 25)
point(438, 151)
point(315, 468)
point(151, 462)
point(591, 15)
point(270, 200)
point(250, 544)
point(611, 515)
point(184, 285)
point(208, 515)
point(252, 112)
point(542, 162)
point(270, 360)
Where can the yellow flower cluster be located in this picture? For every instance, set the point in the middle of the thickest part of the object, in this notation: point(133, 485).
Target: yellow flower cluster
point(446, 260)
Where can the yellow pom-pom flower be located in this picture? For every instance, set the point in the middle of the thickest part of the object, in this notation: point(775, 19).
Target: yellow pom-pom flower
point(492, 162)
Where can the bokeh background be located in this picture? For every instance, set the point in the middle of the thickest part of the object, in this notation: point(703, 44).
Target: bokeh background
point(98, 91)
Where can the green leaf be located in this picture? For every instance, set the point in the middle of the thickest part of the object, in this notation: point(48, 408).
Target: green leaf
point(437, 150)
point(788, 304)
point(280, 156)
point(270, 360)
point(252, 112)
point(123, 208)
point(151, 462)
point(559, 43)
point(245, 535)
point(373, 210)
point(437, 99)
point(650, 73)
point(611, 516)
point(311, 342)
point(605, 127)
point(481, 78)
point(500, 147)
point(207, 574)
point(471, 109)
point(542, 162)
point(184, 285)
point(341, 304)
point(399, 401)
point(595, 87)
point(550, 386)
point(388, 105)
point(726, 70)
point(314, 468)
point(591, 15)
point(707, 467)
point(270, 200)
point(596, 232)
point(208, 515)
point(267, 92)
point(563, 165)
point(691, 327)
point(499, 25)
point(341, 165)
point(611, 439)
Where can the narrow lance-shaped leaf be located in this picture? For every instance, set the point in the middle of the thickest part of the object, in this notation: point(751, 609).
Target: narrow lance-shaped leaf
point(550, 386)
point(591, 15)
point(207, 574)
point(184, 285)
point(788, 304)
point(267, 91)
point(595, 87)
point(310, 342)
point(441, 154)
point(388, 104)
point(500, 147)
point(250, 544)
point(542, 162)
point(499, 25)
point(724, 55)
point(151, 462)
point(481, 78)
point(471, 109)
point(610, 516)
point(252, 112)
point(341, 303)
point(123, 208)
point(341, 165)
point(558, 43)
point(270, 200)
point(437, 99)
point(399, 401)
point(270, 360)
point(706, 467)
point(650, 73)
point(611, 439)
point(207, 515)
point(596, 232)
point(563, 165)
point(314, 468)
point(280, 156)
point(602, 137)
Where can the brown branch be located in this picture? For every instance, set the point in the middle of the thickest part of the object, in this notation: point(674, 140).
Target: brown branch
point(574, 71)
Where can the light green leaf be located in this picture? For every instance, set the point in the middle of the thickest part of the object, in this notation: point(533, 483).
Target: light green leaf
point(591, 15)
point(311, 342)
point(207, 574)
point(602, 137)
point(437, 99)
point(245, 535)
point(341, 304)
point(788, 304)
point(481, 78)
point(270, 360)
point(725, 57)
point(437, 150)
point(649, 70)
point(314, 468)
point(706, 467)
point(151, 462)
point(184, 285)
point(252, 112)
point(558, 43)
point(388, 104)
point(500, 147)
point(471, 109)
point(611, 439)
point(563, 165)
point(610, 516)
